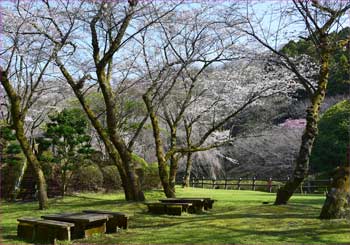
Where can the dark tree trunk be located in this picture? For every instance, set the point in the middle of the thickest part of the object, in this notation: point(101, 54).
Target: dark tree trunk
point(130, 180)
point(162, 163)
point(302, 162)
point(174, 162)
point(337, 203)
point(188, 170)
point(310, 132)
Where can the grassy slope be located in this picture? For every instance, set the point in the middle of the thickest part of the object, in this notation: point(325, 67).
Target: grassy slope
point(237, 217)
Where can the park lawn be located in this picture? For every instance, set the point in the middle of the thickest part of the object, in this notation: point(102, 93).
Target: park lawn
point(237, 217)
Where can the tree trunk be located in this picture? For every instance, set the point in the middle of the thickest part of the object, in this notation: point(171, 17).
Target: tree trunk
point(337, 203)
point(188, 170)
point(63, 182)
point(310, 132)
point(116, 149)
point(174, 162)
point(162, 163)
point(132, 186)
point(18, 124)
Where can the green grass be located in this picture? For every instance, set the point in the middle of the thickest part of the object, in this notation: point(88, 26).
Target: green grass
point(237, 217)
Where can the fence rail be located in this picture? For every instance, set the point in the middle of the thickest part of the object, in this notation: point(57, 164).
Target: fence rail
point(269, 185)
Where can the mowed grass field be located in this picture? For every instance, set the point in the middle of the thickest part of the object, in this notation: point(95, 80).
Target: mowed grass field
point(238, 217)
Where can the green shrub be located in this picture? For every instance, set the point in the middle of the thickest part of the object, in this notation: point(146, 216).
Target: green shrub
point(87, 178)
point(150, 178)
point(111, 178)
point(329, 150)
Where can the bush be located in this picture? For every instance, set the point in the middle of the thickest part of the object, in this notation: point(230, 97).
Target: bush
point(330, 145)
point(111, 178)
point(87, 178)
point(150, 178)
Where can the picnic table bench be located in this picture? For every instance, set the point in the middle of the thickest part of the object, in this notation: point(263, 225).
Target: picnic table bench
point(173, 208)
point(34, 229)
point(85, 224)
point(118, 220)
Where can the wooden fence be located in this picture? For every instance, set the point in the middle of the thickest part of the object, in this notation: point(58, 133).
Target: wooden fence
point(269, 185)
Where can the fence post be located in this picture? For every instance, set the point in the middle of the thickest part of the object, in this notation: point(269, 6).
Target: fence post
point(213, 184)
point(239, 183)
point(193, 182)
point(269, 184)
point(253, 185)
point(202, 182)
point(225, 184)
point(308, 186)
point(301, 187)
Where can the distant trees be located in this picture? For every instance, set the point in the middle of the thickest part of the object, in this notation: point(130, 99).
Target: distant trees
point(339, 64)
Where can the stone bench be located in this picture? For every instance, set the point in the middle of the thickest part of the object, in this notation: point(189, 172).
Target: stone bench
point(118, 220)
point(168, 208)
point(34, 229)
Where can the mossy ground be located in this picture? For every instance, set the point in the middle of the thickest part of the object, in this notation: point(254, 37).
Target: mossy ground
point(237, 217)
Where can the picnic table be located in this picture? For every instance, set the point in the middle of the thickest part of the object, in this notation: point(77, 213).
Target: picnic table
point(173, 208)
point(85, 224)
point(199, 203)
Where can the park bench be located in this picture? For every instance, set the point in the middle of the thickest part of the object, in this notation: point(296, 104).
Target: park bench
point(34, 229)
point(85, 224)
point(171, 208)
point(118, 220)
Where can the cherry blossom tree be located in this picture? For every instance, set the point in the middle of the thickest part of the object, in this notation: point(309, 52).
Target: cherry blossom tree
point(24, 64)
point(318, 18)
point(187, 88)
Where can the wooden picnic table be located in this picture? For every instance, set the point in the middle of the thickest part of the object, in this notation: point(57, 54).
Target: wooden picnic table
point(85, 224)
point(197, 203)
point(173, 208)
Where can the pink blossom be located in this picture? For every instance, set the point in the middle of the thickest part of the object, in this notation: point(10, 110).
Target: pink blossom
point(294, 123)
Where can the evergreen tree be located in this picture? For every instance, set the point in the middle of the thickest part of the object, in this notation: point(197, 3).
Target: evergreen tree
point(66, 135)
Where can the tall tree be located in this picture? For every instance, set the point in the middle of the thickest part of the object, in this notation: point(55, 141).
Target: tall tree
point(109, 38)
point(177, 65)
point(319, 19)
point(23, 76)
